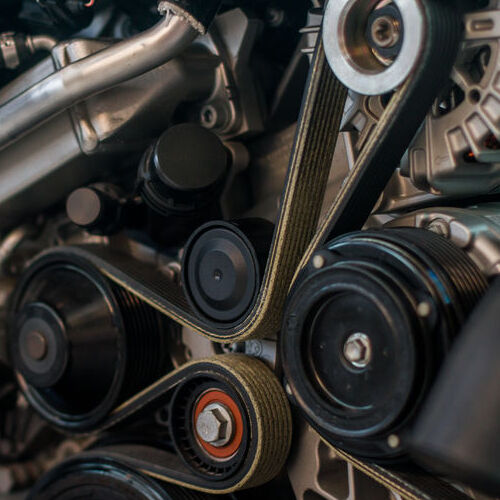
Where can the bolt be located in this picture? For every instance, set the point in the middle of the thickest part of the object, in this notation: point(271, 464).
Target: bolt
point(424, 309)
point(358, 350)
point(439, 226)
point(36, 346)
point(393, 441)
point(318, 261)
point(214, 425)
point(208, 116)
point(275, 17)
point(385, 31)
point(214, 116)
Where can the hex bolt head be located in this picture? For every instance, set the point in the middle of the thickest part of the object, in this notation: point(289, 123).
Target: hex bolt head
point(214, 116)
point(215, 424)
point(386, 31)
point(358, 350)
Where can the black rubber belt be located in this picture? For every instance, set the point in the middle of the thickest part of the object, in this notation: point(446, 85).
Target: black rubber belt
point(397, 126)
point(265, 403)
point(366, 181)
point(301, 204)
point(306, 181)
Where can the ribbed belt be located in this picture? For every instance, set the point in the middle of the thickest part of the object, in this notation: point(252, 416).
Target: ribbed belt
point(298, 217)
point(368, 178)
point(296, 237)
point(266, 406)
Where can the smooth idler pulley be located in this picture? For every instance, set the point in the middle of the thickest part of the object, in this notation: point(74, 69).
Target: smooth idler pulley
point(372, 46)
point(222, 268)
point(365, 331)
point(79, 344)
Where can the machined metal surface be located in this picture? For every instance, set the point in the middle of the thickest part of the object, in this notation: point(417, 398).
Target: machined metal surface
point(233, 109)
point(97, 73)
point(213, 83)
point(350, 55)
point(456, 151)
point(476, 230)
point(75, 146)
point(361, 116)
point(317, 473)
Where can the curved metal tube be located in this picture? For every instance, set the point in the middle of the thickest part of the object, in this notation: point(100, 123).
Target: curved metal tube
point(96, 73)
point(41, 42)
point(12, 241)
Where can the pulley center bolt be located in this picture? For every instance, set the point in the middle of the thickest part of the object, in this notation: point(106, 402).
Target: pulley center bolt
point(36, 346)
point(358, 350)
point(385, 31)
point(215, 425)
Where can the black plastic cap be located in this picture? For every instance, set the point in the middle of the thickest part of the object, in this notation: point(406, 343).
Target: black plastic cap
point(184, 171)
point(222, 268)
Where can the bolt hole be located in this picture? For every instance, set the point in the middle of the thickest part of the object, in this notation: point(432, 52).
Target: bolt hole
point(382, 32)
point(474, 96)
point(208, 116)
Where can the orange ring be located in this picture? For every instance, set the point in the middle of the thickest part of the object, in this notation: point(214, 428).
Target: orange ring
point(216, 396)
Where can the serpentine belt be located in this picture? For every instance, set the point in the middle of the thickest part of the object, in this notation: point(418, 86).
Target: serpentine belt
point(397, 126)
point(263, 400)
point(270, 435)
point(302, 199)
point(314, 145)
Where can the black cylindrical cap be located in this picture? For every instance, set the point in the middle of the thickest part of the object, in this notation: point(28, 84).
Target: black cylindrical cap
point(94, 209)
point(184, 171)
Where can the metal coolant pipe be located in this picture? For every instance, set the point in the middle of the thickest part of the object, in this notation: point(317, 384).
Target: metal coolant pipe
point(94, 74)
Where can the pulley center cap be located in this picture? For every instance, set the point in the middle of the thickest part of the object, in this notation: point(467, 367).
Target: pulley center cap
point(36, 345)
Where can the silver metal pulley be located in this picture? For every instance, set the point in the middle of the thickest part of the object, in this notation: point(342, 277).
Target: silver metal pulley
point(373, 46)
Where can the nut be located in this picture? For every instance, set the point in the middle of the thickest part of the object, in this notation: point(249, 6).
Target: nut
point(358, 350)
